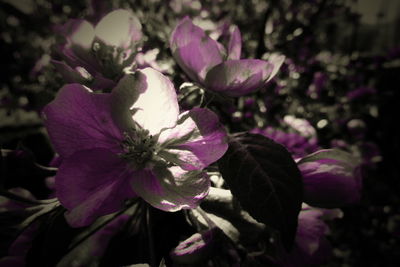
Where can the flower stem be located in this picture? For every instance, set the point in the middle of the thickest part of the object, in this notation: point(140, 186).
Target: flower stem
point(150, 238)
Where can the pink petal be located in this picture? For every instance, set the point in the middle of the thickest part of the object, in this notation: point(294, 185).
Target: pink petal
point(239, 77)
point(311, 246)
point(194, 51)
point(331, 178)
point(195, 249)
point(299, 258)
point(276, 61)
point(69, 74)
point(310, 230)
point(119, 28)
point(156, 106)
point(80, 75)
point(80, 35)
point(79, 32)
point(171, 189)
point(76, 57)
point(235, 44)
point(198, 140)
point(92, 183)
point(78, 119)
point(123, 96)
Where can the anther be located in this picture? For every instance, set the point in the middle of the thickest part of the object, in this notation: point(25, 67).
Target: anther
point(96, 46)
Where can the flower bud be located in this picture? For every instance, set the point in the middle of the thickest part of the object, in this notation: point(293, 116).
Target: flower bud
point(196, 248)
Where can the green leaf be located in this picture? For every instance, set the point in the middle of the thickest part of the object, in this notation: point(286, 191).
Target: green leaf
point(265, 179)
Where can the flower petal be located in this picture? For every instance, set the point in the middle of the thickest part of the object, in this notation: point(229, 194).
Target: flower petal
point(80, 75)
point(119, 28)
point(78, 32)
point(331, 178)
point(276, 60)
point(78, 119)
point(92, 183)
point(78, 50)
point(156, 106)
point(311, 246)
point(194, 51)
point(123, 96)
point(311, 228)
point(198, 140)
point(235, 43)
point(196, 249)
point(239, 77)
point(171, 189)
point(80, 58)
point(298, 258)
point(296, 144)
point(69, 74)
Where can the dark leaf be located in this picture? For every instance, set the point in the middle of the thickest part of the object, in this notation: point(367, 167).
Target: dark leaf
point(52, 240)
point(9, 228)
point(131, 245)
point(15, 216)
point(265, 179)
point(90, 245)
point(22, 170)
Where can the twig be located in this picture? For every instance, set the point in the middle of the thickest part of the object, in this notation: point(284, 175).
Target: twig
point(150, 238)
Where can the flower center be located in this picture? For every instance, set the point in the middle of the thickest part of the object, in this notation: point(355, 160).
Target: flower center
point(139, 148)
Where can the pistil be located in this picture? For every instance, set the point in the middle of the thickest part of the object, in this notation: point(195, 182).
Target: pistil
point(139, 148)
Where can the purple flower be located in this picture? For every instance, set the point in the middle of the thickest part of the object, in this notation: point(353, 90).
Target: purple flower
point(296, 144)
point(98, 54)
point(311, 247)
point(302, 126)
point(357, 128)
point(185, 6)
point(219, 69)
point(331, 178)
point(360, 92)
point(319, 82)
point(129, 143)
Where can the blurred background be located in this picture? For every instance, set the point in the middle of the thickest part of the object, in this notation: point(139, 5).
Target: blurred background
point(341, 74)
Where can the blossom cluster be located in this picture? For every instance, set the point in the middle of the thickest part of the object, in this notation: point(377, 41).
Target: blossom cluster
point(121, 135)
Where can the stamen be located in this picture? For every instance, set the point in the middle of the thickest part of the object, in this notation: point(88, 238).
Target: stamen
point(139, 147)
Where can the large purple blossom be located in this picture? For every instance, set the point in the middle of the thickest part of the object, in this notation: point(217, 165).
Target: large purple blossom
point(98, 54)
point(130, 143)
point(221, 70)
